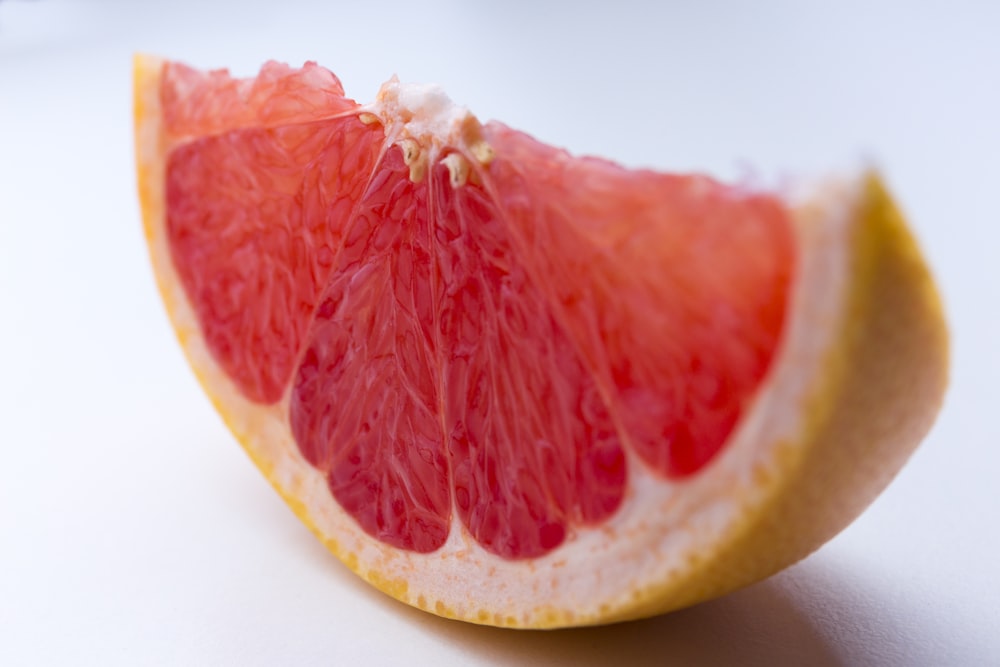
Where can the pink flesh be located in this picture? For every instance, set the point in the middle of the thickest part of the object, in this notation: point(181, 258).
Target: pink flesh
point(494, 348)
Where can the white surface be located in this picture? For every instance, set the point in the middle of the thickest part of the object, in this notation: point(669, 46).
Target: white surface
point(134, 531)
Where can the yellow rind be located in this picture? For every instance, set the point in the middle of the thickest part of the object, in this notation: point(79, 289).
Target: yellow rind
point(882, 387)
point(146, 72)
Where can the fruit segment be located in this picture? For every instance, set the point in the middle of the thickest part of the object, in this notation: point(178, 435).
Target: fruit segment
point(255, 219)
point(673, 289)
point(533, 448)
point(365, 405)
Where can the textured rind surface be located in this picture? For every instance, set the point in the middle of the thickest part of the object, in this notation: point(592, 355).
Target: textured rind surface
point(877, 394)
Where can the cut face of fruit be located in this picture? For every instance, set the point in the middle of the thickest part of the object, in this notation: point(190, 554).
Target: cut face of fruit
point(487, 348)
point(510, 385)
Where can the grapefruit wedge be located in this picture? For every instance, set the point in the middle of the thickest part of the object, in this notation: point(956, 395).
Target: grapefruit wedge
point(515, 387)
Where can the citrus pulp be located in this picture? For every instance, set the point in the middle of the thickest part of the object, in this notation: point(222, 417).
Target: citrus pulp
point(517, 387)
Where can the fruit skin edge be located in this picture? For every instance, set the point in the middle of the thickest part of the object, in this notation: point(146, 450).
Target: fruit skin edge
point(882, 388)
point(893, 343)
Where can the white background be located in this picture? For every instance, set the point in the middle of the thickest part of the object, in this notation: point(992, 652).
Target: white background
point(133, 531)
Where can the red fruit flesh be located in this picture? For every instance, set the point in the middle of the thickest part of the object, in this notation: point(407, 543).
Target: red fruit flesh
point(255, 220)
point(673, 288)
point(492, 350)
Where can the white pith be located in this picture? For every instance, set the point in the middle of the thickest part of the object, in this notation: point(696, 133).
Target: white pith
point(422, 111)
point(423, 120)
point(663, 528)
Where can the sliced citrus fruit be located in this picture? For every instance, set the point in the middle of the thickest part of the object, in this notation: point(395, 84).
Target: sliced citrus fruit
point(516, 387)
